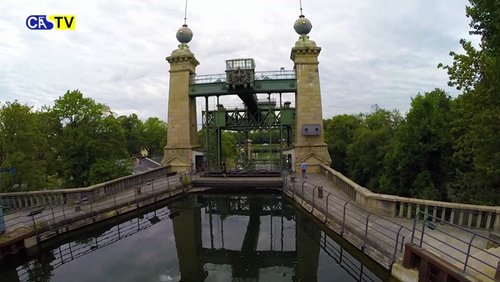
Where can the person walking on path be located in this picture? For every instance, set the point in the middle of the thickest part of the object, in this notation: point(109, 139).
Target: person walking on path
point(303, 167)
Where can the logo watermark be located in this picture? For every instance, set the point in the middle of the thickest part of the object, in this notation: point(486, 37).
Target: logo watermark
point(48, 22)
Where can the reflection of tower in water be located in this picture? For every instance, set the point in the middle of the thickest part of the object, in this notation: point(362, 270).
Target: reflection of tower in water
point(269, 244)
point(246, 238)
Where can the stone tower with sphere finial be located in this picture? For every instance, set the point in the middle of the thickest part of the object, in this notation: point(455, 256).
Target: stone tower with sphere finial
point(182, 135)
point(309, 137)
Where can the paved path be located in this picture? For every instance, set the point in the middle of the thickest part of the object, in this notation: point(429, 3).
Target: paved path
point(384, 237)
point(22, 223)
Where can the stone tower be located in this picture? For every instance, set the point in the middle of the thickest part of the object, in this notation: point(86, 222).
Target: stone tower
point(309, 137)
point(182, 135)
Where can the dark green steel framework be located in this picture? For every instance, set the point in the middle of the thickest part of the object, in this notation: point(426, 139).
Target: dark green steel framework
point(256, 115)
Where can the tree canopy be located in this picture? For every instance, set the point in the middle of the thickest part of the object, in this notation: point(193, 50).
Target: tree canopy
point(74, 143)
point(476, 128)
point(417, 163)
point(21, 141)
point(444, 148)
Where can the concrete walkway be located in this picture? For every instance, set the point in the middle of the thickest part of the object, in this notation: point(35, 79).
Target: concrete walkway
point(383, 238)
point(23, 224)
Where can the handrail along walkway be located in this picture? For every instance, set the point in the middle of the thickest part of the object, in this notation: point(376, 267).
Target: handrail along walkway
point(383, 238)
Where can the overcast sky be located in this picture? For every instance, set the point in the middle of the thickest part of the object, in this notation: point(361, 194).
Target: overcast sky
point(373, 52)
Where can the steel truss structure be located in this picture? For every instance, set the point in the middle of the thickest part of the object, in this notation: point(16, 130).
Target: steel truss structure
point(268, 118)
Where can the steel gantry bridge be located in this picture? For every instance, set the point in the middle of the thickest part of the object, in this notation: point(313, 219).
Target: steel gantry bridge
point(304, 122)
point(265, 114)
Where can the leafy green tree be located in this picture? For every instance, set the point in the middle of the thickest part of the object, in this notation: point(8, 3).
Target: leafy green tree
point(111, 137)
point(418, 163)
point(133, 131)
point(103, 170)
point(21, 142)
point(477, 148)
point(229, 150)
point(48, 124)
point(339, 133)
point(155, 135)
point(90, 134)
point(264, 136)
point(476, 128)
point(485, 22)
point(369, 146)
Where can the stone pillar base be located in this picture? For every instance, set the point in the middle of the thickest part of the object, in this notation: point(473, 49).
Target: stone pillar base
point(178, 159)
point(313, 155)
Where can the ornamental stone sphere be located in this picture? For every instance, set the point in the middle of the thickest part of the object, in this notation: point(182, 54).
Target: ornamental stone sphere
point(184, 34)
point(302, 25)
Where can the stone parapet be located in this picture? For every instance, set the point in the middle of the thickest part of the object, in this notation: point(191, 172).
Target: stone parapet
point(25, 200)
point(467, 215)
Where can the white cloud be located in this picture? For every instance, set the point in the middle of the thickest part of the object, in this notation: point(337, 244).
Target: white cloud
point(372, 52)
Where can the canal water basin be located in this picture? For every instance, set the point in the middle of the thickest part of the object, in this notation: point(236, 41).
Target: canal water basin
point(202, 237)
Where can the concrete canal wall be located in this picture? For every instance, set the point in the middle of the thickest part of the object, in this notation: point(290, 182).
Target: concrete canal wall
point(423, 244)
point(466, 215)
point(65, 210)
point(371, 222)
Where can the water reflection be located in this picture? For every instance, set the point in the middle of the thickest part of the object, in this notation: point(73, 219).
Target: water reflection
point(241, 237)
point(215, 238)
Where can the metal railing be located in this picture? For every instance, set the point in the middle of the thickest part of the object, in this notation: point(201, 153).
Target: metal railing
point(208, 78)
point(470, 251)
point(344, 258)
point(384, 239)
point(371, 233)
point(16, 201)
point(471, 216)
point(260, 75)
point(275, 75)
point(56, 217)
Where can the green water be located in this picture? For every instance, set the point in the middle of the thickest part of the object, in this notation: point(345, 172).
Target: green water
point(200, 238)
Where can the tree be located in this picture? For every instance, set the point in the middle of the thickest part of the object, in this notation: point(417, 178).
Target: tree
point(418, 162)
point(229, 150)
point(50, 128)
point(268, 136)
point(478, 66)
point(20, 144)
point(339, 133)
point(476, 128)
point(370, 143)
point(90, 134)
point(133, 131)
point(103, 170)
point(485, 21)
point(155, 135)
point(151, 134)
